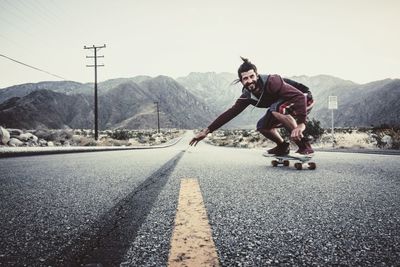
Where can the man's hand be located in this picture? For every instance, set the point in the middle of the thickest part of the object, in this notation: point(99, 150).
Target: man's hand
point(200, 136)
point(297, 132)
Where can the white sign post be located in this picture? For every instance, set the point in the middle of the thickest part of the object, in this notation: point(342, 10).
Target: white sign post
point(332, 104)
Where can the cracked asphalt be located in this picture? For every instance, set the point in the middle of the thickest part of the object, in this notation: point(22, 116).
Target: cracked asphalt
point(118, 208)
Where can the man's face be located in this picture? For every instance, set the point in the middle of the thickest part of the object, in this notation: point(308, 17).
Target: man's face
point(249, 81)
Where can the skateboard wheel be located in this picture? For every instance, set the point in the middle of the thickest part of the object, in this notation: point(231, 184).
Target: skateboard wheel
point(298, 166)
point(286, 163)
point(274, 163)
point(312, 166)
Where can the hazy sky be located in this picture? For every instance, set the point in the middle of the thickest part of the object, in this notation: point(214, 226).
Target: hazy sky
point(354, 40)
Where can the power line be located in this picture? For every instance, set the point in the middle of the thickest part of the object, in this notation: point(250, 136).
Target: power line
point(19, 62)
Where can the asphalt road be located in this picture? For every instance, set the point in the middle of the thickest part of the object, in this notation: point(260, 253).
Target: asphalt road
point(118, 208)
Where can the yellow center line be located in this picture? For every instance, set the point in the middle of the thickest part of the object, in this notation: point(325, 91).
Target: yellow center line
point(192, 243)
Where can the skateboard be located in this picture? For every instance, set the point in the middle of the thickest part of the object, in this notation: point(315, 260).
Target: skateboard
point(301, 161)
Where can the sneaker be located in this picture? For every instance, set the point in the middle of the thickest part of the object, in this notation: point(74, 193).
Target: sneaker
point(300, 145)
point(304, 147)
point(279, 150)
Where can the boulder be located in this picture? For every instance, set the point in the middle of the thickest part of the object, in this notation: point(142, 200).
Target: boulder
point(15, 142)
point(42, 142)
point(66, 143)
point(387, 141)
point(50, 144)
point(27, 137)
point(4, 136)
point(133, 142)
point(244, 144)
point(15, 132)
point(160, 139)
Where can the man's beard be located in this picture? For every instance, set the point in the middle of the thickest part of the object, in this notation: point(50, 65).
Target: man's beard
point(249, 84)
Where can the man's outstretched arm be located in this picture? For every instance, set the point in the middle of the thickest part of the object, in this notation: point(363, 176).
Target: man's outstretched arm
point(225, 117)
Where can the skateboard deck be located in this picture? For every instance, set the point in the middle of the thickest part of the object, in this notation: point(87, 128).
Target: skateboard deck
point(300, 161)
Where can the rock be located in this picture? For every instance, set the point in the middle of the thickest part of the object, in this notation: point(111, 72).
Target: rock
point(4, 136)
point(15, 132)
point(160, 139)
point(387, 140)
point(15, 142)
point(30, 143)
point(42, 142)
point(133, 141)
point(254, 134)
point(27, 137)
point(50, 143)
point(243, 145)
point(67, 144)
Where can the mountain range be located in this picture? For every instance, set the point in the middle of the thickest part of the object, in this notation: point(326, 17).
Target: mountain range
point(192, 101)
point(359, 105)
point(128, 105)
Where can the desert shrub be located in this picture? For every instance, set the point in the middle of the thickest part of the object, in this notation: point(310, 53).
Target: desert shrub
point(227, 132)
point(79, 140)
point(83, 132)
point(383, 126)
point(120, 135)
point(254, 139)
point(313, 128)
point(91, 142)
point(396, 140)
point(43, 134)
point(284, 133)
point(139, 135)
point(245, 133)
point(54, 135)
point(120, 143)
point(385, 130)
point(112, 142)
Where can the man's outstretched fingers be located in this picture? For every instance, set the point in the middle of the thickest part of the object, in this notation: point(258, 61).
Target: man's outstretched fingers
point(194, 142)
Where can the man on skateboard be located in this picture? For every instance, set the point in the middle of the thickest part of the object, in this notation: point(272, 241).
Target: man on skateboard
point(287, 103)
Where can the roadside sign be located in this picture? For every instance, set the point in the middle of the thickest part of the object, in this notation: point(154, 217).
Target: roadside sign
point(332, 104)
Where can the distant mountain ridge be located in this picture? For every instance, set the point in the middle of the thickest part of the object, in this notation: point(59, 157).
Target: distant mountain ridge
point(192, 101)
point(66, 87)
point(129, 105)
point(361, 105)
point(48, 109)
point(351, 96)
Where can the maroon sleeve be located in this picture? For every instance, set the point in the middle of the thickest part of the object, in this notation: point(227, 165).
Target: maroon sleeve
point(240, 104)
point(276, 85)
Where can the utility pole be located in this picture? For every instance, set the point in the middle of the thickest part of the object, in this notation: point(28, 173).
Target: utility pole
point(158, 117)
point(96, 115)
point(333, 104)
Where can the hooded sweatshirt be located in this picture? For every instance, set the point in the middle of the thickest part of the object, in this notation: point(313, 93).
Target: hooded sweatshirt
point(274, 88)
